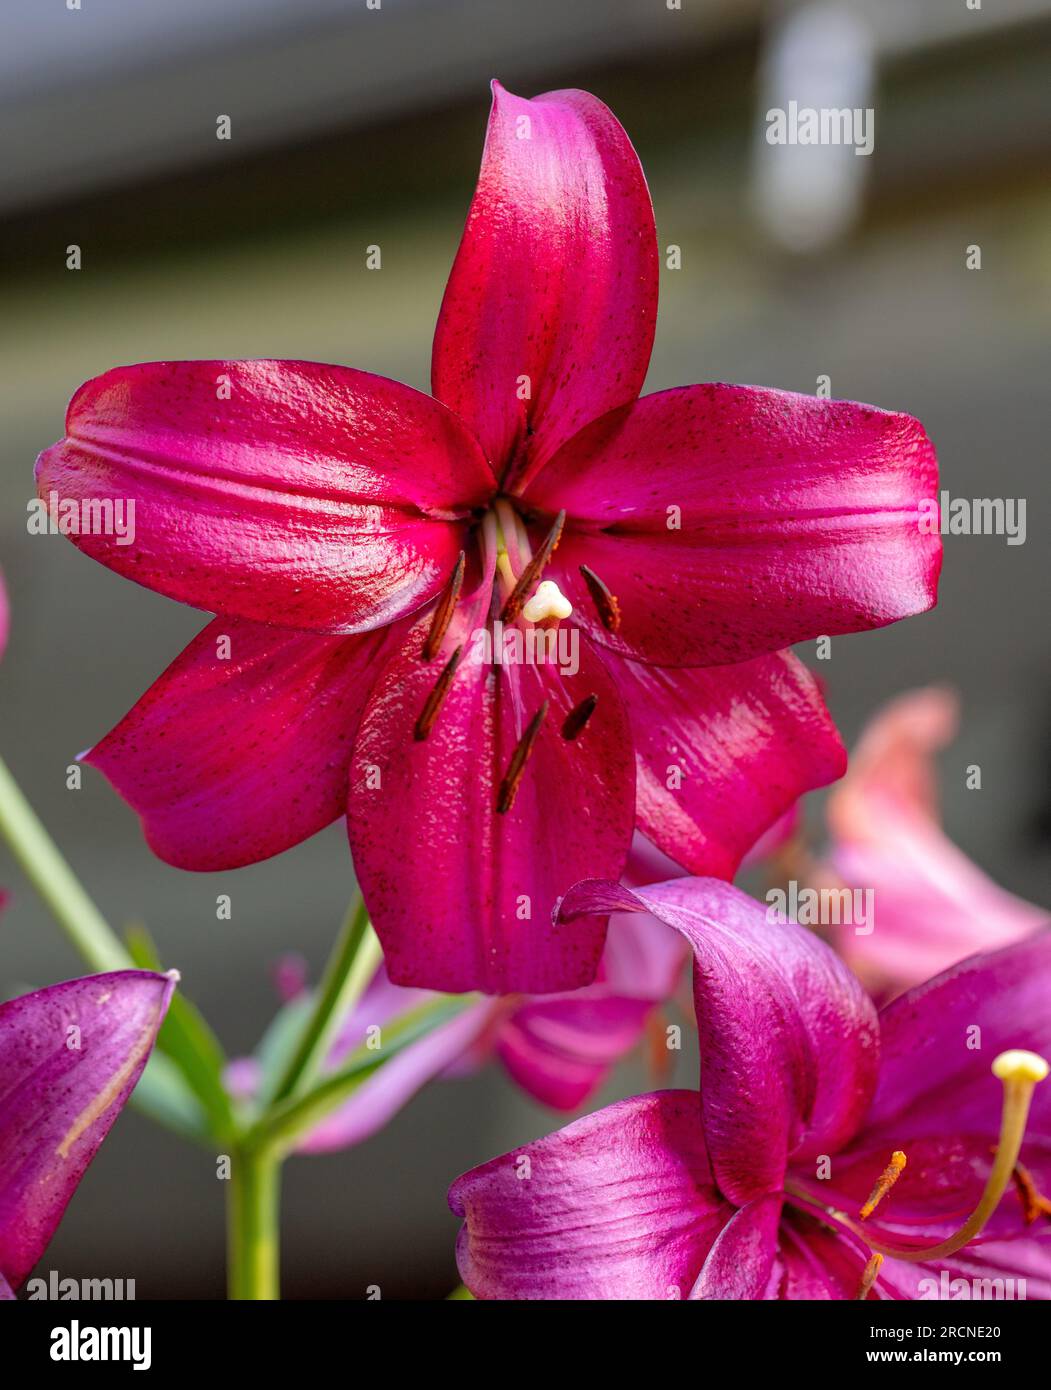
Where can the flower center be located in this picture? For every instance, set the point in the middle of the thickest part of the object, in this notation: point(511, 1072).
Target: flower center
point(510, 565)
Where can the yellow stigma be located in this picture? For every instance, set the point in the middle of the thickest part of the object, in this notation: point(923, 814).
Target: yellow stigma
point(1020, 1066)
point(548, 604)
point(1019, 1072)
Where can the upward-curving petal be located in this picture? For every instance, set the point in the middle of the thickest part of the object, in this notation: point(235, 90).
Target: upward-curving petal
point(618, 1205)
point(734, 520)
point(70, 1056)
point(286, 492)
point(241, 748)
point(723, 752)
point(550, 308)
point(789, 1039)
point(939, 1041)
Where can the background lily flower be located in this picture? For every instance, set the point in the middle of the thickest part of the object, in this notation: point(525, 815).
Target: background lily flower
point(357, 537)
point(70, 1056)
point(932, 904)
point(5, 616)
point(558, 1048)
point(754, 1188)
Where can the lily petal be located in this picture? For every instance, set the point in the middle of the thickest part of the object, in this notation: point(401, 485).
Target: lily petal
point(549, 313)
point(466, 903)
point(724, 752)
point(70, 1056)
point(789, 1039)
point(618, 1205)
point(286, 492)
point(733, 520)
point(241, 748)
point(742, 1260)
point(936, 1080)
point(5, 616)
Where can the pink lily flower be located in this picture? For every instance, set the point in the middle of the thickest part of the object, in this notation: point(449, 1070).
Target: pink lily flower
point(823, 1136)
point(932, 905)
point(369, 548)
point(70, 1056)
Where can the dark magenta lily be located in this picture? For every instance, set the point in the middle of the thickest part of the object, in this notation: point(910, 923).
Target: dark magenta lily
point(358, 539)
point(830, 1153)
point(70, 1056)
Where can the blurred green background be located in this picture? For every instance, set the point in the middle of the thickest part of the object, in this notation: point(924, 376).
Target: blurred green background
point(353, 126)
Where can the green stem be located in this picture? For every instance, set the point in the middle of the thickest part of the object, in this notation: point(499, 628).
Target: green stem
point(252, 1225)
point(281, 1124)
point(43, 864)
point(354, 960)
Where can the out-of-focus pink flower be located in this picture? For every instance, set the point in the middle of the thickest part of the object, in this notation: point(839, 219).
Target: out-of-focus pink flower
point(931, 905)
point(367, 547)
point(5, 616)
point(766, 1185)
point(558, 1048)
point(70, 1056)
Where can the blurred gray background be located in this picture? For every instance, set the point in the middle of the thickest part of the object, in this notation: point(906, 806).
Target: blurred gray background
point(354, 126)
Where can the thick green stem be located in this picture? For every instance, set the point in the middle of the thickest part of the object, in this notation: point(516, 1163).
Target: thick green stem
point(354, 960)
point(252, 1225)
point(54, 880)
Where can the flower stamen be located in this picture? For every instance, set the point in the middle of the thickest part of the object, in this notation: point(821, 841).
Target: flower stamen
point(434, 701)
point(868, 1278)
point(1034, 1203)
point(532, 572)
point(607, 606)
point(443, 614)
point(577, 717)
point(516, 767)
point(884, 1183)
point(1020, 1072)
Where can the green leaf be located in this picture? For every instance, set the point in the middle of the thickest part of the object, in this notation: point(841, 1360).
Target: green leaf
point(191, 1045)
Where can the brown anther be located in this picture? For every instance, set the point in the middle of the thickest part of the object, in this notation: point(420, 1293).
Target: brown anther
point(868, 1278)
point(578, 716)
point(604, 601)
point(659, 1056)
point(1034, 1203)
point(884, 1183)
point(434, 700)
point(443, 614)
point(515, 768)
point(529, 577)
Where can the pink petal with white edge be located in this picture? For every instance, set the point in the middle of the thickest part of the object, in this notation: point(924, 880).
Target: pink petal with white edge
point(241, 748)
point(734, 520)
point(460, 894)
point(618, 1205)
point(554, 287)
point(286, 492)
point(723, 752)
point(70, 1056)
point(789, 1039)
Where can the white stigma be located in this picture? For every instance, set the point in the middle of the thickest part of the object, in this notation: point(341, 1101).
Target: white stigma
point(549, 602)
